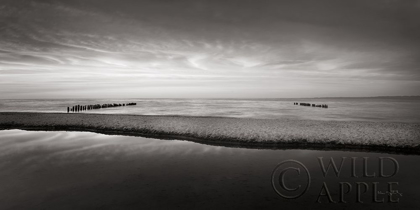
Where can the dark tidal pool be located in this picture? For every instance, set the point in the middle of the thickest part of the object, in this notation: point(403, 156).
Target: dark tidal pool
point(81, 170)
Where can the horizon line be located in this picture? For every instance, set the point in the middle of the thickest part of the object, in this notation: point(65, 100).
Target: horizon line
point(401, 96)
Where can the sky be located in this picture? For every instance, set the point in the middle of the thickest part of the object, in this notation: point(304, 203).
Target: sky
point(209, 48)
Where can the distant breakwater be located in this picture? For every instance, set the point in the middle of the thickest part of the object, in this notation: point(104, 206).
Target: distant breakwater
point(313, 105)
point(80, 108)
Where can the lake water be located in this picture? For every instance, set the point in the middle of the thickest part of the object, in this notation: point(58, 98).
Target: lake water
point(81, 170)
point(390, 109)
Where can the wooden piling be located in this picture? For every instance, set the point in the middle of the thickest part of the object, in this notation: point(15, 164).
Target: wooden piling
point(81, 108)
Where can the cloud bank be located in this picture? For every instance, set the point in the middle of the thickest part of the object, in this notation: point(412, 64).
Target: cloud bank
point(203, 48)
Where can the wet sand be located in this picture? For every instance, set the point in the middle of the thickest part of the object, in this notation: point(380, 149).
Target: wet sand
point(239, 132)
point(82, 170)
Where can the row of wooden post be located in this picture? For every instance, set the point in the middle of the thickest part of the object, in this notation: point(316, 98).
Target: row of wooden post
point(313, 105)
point(81, 108)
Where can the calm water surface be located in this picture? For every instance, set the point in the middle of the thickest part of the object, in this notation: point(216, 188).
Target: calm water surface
point(391, 109)
point(80, 170)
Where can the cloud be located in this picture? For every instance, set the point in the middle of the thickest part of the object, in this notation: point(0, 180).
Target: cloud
point(269, 46)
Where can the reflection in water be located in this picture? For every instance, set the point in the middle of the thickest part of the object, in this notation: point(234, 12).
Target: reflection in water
point(80, 170)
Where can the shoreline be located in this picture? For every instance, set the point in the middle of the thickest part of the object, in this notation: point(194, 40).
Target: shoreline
point(242, 144)
point(400, 138)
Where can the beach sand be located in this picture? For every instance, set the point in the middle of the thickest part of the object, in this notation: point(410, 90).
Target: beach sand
point(371, 136)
